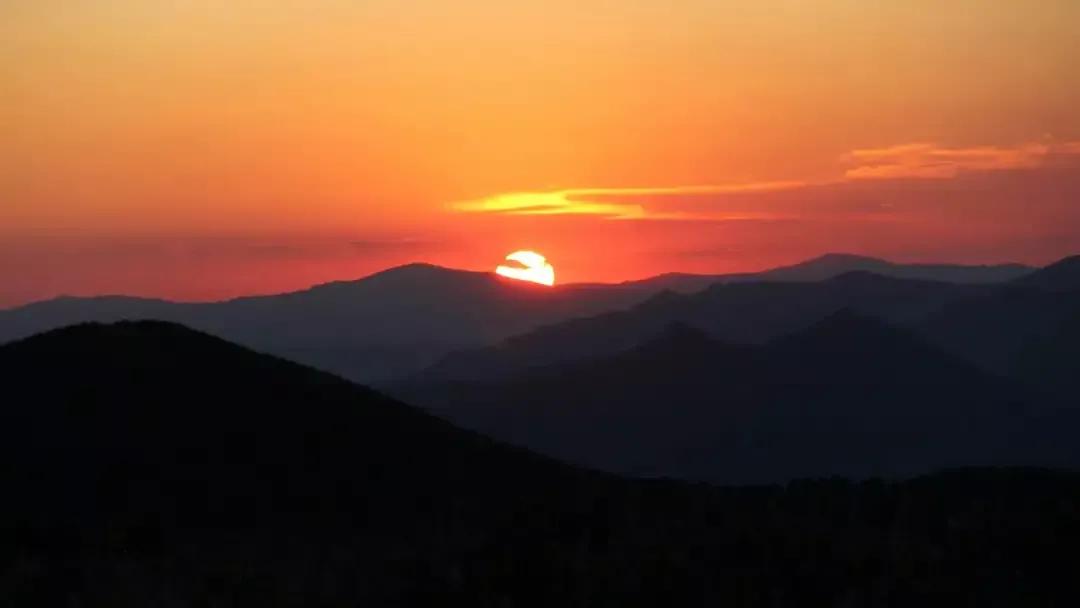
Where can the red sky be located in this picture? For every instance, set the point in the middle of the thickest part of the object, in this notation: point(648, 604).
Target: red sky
point(203, 150)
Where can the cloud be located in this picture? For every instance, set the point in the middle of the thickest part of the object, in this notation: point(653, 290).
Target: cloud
point(931, 161)
point(880, 185)
point(617, 203)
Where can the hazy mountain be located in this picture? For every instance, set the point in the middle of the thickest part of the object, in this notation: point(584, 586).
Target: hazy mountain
point(835, 264)
point(848, 396)
point(746, 313)
point(382, 326)
point(1011, 331)
point(1063, 276)
point(832, 265)
point(401, 320)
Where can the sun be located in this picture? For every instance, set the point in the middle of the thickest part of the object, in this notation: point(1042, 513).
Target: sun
point(533, 268)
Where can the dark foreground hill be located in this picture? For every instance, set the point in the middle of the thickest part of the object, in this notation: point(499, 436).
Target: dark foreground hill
point(144, 464)
point(849, 396)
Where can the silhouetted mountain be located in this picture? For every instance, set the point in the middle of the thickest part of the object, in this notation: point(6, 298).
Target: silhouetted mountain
point(832, 265)
point(997, 330)
point(144, 464)
point(1063, 275)
point(399, 321)
point(835, 264)
point(148, 441)
point(379, 327)
point(848, 396)
point(739, 312)
point(116, 410)
point(1052, 361)
point(1023, 329)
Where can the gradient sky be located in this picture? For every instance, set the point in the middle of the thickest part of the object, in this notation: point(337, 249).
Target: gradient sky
point(207, 149)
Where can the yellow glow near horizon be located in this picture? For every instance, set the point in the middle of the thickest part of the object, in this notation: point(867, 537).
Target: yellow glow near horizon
point(534, 268)
point(207, 150)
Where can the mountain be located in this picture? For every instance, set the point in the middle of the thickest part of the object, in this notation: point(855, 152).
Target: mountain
point(745, 313)
point(1061, 276)
point(379, 327)
point(396, 322)
point(145, 464)
point(117, 410)
point(835, 264)
point(831, 265)
point(1003, 329)
point(153, 460)
point(848, 396)
point(1053, 361)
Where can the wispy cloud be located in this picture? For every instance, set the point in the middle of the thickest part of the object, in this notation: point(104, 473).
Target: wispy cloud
point(786, 200)
point(931, 161)
point(604, 202)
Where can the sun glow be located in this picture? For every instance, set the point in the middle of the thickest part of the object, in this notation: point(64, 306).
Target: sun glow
point(533, 268)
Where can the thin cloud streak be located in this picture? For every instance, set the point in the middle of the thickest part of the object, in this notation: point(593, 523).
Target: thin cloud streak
point(912, 161)
point(930, 161)
point(576, 201)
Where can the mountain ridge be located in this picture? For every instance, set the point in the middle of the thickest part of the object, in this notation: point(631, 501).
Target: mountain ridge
point(739, 312)
point(849, 396)
point(379, 328)
point(145, 463)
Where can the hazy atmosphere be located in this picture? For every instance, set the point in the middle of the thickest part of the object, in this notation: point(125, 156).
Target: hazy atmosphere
point(196, 150)
point(539, 304)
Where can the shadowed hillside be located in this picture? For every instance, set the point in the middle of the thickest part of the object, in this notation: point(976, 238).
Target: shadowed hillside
point(848, 396)
point(146, 464)
point(1061, 276)
point(742, 313)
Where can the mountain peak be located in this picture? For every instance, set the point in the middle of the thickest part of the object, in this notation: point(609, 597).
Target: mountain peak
point(863, 349)
point(140, 341)
point(826, 267)
point(420, 270)
point(1063, 275)
point(844, 329)
point(844, 258)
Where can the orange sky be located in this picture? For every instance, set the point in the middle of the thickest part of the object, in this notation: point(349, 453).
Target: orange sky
point(205, 149)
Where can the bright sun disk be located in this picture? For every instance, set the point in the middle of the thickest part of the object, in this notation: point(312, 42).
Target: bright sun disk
point(533, 268)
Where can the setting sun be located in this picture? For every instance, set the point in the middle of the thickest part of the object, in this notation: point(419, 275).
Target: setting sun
point(533, 268)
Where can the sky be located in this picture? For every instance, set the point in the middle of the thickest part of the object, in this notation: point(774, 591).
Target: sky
point(201, 150)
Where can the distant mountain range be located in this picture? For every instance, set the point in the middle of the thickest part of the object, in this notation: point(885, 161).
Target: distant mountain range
point(835, 264)
point(379, 327)
point(856, 375)
point(849, 396)
point(397, 322)
point(743, 313)
point(147, 464)
point(989, 324)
